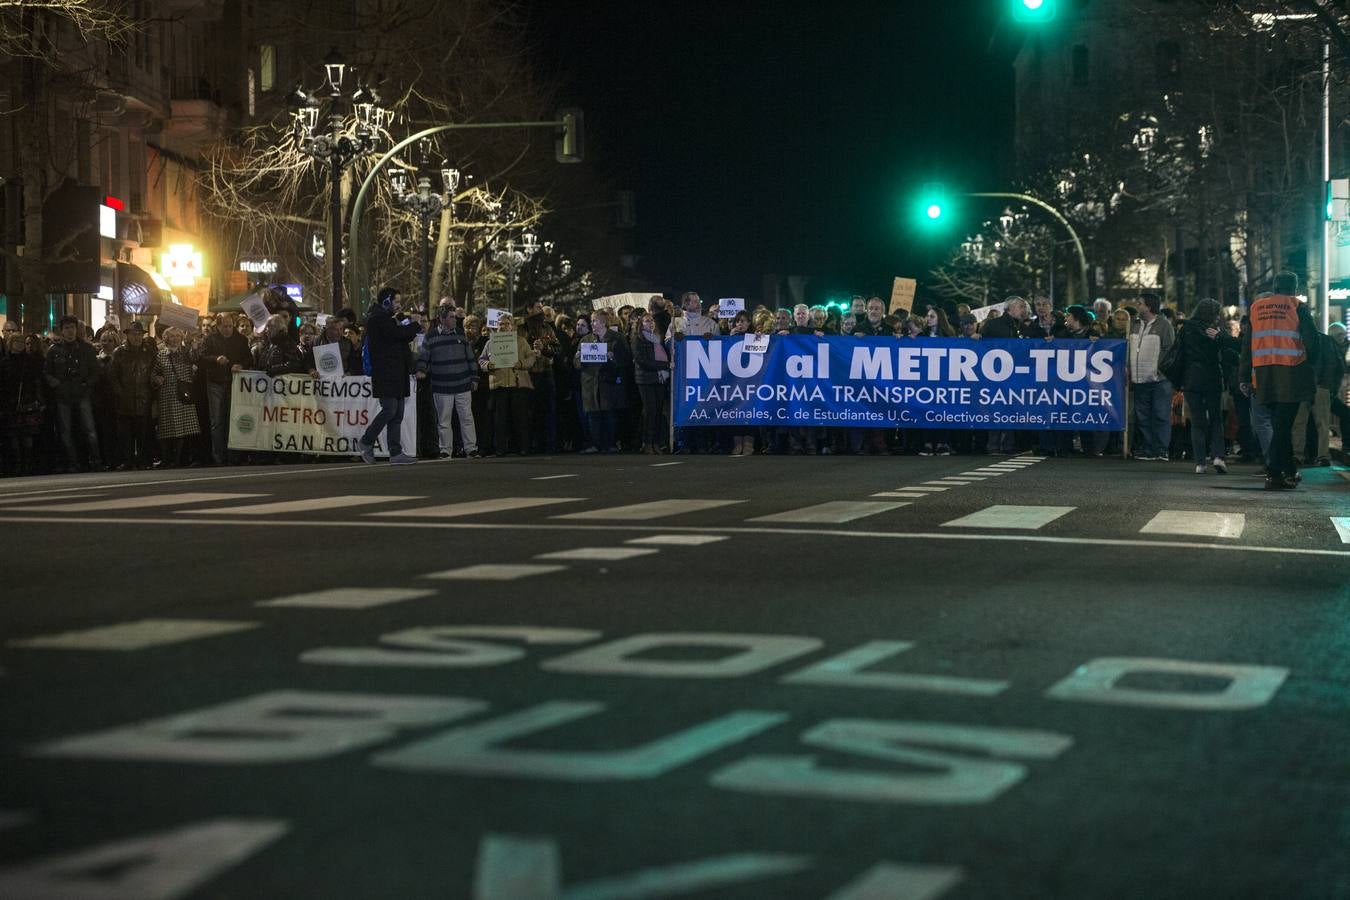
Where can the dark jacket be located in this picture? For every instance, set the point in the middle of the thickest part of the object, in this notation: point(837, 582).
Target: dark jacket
point(1005, 327)
point(1284, 384)
point(20, 384)
point(864, 327)
point(448, 360)
point(280, 356)
point(1032, 327)
point(1330, 364)
point(646, 367)
point(1203, 359)
point(71, 370)
point(234, 348)
point(602, 387)
point(130, 373)
point(391, 363)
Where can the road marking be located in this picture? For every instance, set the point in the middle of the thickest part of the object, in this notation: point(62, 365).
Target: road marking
point(927, 489)
point(349, 598)
point(139, 635)
point(947, 482)
point(309, 503)
point(7, 501)
point(1342, 524)
point(663, 465)
point(912, 536)
point(679, 540)
point(831, 513)
point(655, 509)
point(901, 495)
point(1196, 524)
point(982, 474)
point(490, 572)
point(603, 554)
point(551, 477)
point(134, 502)
point(1028, 517)
point(475, 507)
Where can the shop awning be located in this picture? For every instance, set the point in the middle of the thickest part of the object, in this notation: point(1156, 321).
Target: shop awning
point(140, 292)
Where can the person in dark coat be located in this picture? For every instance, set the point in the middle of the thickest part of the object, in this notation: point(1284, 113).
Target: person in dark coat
point(602, 388)
point(390, 365)
point(1205, 350)
point(132, 366)
point(1008, 326)
point(71, 369)
point(652, 369)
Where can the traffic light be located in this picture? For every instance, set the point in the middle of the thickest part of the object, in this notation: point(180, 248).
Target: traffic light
point(935, 205)
point(568, 147)
point(1033, 11)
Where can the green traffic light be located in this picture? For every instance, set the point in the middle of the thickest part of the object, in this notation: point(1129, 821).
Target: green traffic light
point(934, 211)
point(1033, 11)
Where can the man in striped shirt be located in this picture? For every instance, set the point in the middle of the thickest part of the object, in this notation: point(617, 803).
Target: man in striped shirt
point(447, 360)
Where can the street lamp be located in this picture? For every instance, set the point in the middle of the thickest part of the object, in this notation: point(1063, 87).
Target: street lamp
point(511, 256)
point(426, 205)
point(346, 139)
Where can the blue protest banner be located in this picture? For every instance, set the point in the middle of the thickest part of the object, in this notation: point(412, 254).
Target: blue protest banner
point(803, 380)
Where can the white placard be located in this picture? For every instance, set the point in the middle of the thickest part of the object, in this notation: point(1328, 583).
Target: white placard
point(595, 352)
point(321, 321)
point(756, 343)
point(494, 316)
point(328, 360)
point(298, 414)
point(727, 307)
point(256, 310)
point(172, 315)
point(983, 312)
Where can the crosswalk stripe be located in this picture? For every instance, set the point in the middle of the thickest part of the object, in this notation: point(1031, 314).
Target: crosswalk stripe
point(948, 482)
point(992, 470)
point(133, 502)
point(43, 498)
point(1342, 524)
point(833, 512)
point(655, 509)
point(926, 488)
point(139, 635)
point(1027, 517)
point(901, 495)
point(598, 554)
point(552, 477)
point(309, 504)
point(475, 507)
point(490, 572)
point(1196, 524)
point(349, 598)
point(678, 540)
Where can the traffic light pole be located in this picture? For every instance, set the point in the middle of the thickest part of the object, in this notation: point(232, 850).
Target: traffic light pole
point(1077, 244)
point(358, 271)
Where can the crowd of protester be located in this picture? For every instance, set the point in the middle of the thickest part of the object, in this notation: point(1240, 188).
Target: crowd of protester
point(73, 400)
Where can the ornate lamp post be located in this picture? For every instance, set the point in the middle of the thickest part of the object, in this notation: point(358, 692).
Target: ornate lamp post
point(511, 256)
point(346, 138)
point(426, 204)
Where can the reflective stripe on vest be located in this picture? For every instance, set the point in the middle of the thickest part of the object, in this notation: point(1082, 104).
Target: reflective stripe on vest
point(1276, 339)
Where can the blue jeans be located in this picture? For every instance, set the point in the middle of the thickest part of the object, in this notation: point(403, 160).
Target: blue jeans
point(1153, 412)
point(218, 405)
point(64, 413)
point(1263, 425)
point(390, 418)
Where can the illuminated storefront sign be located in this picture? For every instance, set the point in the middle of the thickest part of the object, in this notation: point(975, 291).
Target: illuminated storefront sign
point(262, 266)
point(181, 265)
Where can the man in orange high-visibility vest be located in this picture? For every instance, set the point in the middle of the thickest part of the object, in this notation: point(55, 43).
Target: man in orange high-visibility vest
point(1278, 358)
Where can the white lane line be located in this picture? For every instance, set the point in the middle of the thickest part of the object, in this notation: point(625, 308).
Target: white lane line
point(1342, 524)
point(1196, 524)
point(925, 488)
point(508, 527)
point(598, 554)
point(7, 501)
point(656, 509)
point(135, 635)
point(901, 495)
point(678, 540)
point(490, 572)
point(262, 471)
point(309, 503)
point(678, 462)
point(349, 598)
point(831, 513)
point(1028, 517)
point(133, 502)
point(980, 475)
point(551, 477)
point(947, 482)
point(992, 471)
point(475, 507)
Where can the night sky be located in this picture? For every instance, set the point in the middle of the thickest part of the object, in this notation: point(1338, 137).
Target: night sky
point(783, 136)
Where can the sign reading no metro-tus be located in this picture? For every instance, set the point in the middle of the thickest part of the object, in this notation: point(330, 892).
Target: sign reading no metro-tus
point(808, 381)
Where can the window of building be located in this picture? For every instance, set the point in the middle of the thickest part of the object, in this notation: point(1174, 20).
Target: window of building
point(267, 67)
point(1080, 65)
point(1167, 60)
point(252, 93)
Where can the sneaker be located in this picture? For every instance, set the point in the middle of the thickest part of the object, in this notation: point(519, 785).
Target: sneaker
point(402, 459)
point(443, 454)
point(473, 454)
point(1321, 462)
point(1220, 466)
point(367, 452)
point(944, 450)
point(1200, 469)
point(590, 450)
point(927, 450)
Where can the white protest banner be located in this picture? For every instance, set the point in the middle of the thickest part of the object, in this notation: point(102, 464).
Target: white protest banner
point(983, 312)
point(321, 321)
point(114, 320)
point(494, 317)
point(328, 360)
point(298, 414)
point(902, 294)
point(727, 307)
point(756, 343)
point(595, 352)
point(503, 350)
point(618, 301)
point(173, 315)
point(256, 310)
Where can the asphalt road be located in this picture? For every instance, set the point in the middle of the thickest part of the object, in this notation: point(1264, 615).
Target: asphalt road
point(631, 677)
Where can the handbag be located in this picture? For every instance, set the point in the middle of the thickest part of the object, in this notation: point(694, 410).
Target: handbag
point(26, 415)
point(182, 394)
